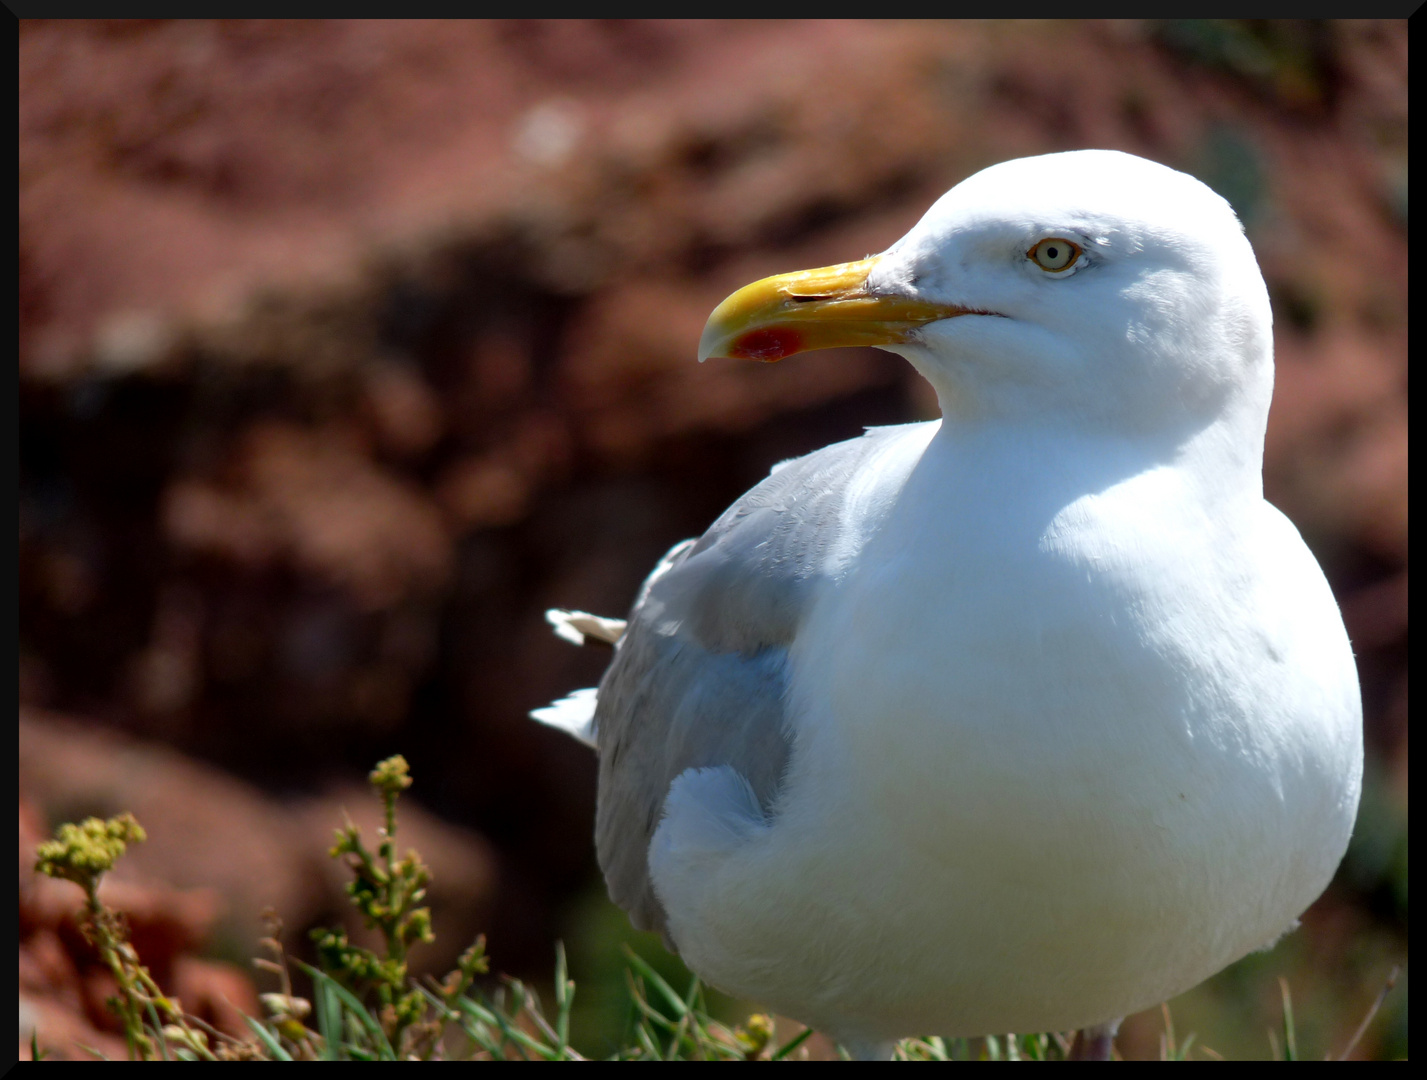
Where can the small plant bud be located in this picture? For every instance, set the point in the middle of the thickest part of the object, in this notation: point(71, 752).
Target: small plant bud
point(390, 776)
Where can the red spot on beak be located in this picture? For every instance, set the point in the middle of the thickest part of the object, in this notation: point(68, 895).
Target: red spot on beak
point(767, 344)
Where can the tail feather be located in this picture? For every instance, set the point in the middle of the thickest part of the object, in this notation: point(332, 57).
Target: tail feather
point(574, 715)
point(578, 626)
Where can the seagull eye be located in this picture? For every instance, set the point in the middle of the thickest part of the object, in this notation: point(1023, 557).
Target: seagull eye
point(1054, 254)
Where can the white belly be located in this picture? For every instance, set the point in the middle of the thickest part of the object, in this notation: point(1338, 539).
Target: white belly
point(1032, 809)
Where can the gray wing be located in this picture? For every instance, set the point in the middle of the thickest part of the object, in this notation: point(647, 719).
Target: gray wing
point(698, 678)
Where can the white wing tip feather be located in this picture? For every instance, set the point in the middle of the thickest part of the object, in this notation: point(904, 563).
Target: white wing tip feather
point(576, 626)
point(574, 714)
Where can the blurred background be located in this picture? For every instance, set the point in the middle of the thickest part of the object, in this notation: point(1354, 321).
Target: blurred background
point(346, 349)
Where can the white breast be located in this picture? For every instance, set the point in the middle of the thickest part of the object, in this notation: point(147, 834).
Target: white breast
point(1067, 767)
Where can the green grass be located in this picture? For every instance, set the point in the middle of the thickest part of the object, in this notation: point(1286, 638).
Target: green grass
point(365, 1006)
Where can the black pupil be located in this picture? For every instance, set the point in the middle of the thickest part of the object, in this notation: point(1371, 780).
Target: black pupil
point(1052, 253)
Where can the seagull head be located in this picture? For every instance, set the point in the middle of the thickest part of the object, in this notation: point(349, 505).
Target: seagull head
point(1090, 288)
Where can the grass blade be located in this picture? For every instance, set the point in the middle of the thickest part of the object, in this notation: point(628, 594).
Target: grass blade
point(1372, 1012)
point(510, 1029)
point(269, 1041)
point(328, 1012)
point(354, 1010)
point(665, 990)
point(1290, 1036)
point(650, 1013)
point(158, 1035)
point(476, 1022)
point(646, 1041)
point(564, 998)
point(792, 1044)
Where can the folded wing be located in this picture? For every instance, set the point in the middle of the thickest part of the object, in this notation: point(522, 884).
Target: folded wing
point(700, 674)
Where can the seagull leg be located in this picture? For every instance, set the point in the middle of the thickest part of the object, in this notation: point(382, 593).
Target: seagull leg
point(1095, 1043)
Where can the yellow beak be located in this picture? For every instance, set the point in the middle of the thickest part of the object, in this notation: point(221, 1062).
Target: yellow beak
point(826, 308)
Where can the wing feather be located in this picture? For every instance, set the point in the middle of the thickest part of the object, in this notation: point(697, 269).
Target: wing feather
point(700, 675)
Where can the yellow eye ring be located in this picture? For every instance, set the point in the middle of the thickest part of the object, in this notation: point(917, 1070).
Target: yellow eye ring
point(1054, 254)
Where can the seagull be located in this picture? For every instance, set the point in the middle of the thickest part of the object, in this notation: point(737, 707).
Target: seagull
point(1021, 720)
